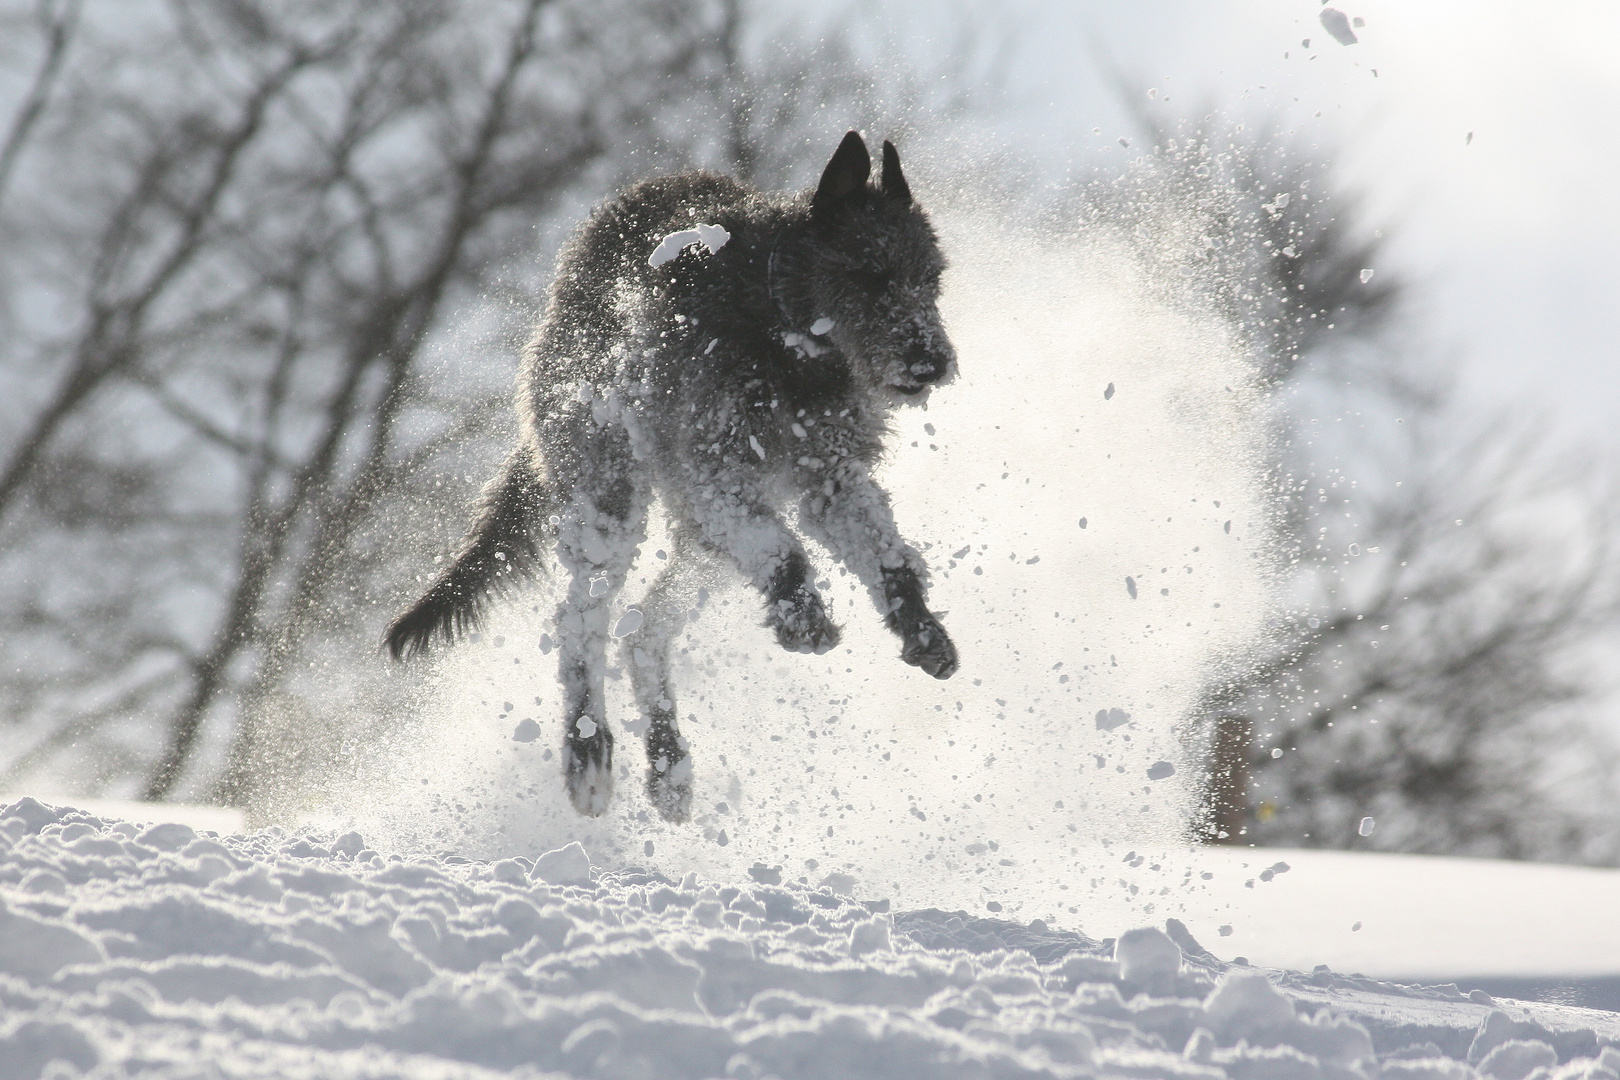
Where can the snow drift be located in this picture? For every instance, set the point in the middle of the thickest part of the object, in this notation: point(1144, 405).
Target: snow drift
point(155, 951)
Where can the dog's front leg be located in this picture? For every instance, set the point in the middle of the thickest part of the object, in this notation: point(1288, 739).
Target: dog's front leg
point(735, 520)
point(849, 513)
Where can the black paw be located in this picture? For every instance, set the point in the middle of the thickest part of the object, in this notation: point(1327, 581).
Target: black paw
point(669, 769)
point(802, 625)
point(929, 647)
point(588, 767)
point(669, 788)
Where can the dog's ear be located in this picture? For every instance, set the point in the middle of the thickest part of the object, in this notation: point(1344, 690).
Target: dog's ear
point(894, 181)
point(845, 175)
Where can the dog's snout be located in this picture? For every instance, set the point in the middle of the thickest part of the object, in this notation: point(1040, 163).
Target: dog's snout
point(925, 367)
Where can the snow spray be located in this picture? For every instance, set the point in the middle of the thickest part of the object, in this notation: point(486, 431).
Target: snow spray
point(1088, 495)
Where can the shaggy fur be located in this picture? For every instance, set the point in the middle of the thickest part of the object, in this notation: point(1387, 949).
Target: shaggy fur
point(730, 383)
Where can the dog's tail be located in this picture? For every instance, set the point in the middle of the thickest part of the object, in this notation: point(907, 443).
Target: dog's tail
point(502, 547)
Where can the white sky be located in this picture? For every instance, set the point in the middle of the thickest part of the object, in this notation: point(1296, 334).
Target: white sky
point(1513, 238)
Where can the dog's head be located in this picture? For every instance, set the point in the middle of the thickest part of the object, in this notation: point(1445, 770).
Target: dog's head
point(872, 270)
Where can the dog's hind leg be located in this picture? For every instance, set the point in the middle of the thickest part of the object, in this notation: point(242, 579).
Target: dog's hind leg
point(597, 537)
point(851, 515)
point(645, 654)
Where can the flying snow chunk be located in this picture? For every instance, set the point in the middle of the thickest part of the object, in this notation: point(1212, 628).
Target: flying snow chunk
point(1161, 770)
point(753, 443)
point(526, 731)
point(565, 866)
point(713, 237)
point(1337, 23)
point(1366, 827)
point(1109, 719)
point(628, 623)
point(585, 726)
point(821, 326)
point(1366, 276)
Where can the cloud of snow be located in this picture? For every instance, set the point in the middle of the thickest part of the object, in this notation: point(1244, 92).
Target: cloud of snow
point(982, 789)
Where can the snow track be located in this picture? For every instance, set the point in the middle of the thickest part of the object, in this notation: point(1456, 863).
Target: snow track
point(153, 951)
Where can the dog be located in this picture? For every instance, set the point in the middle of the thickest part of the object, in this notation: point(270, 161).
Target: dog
point(730, 353)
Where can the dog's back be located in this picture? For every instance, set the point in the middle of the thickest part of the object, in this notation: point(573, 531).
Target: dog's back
point(603, 273)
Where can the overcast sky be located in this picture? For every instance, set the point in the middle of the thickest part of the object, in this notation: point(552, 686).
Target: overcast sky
point(1512, 236)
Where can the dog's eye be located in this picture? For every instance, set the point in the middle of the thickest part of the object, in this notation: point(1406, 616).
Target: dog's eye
point(874, 282)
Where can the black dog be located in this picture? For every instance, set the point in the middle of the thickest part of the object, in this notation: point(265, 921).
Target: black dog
point(731, 353)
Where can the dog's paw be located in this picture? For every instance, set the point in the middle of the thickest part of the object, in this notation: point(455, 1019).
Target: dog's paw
point(588, 768)
point(669, 787)
point(802, 624)
point(929, 647)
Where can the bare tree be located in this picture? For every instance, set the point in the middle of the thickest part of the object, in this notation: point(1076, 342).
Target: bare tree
point(1441, 578)
point(277, 204)
point(1433, 672)
point(54, 23)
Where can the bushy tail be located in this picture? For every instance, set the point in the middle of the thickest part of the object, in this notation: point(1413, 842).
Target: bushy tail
point(502, 546)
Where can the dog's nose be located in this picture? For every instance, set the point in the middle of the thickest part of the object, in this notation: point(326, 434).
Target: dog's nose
point(924, 366)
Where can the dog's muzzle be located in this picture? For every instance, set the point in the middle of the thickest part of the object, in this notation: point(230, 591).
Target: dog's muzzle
point(923, 368)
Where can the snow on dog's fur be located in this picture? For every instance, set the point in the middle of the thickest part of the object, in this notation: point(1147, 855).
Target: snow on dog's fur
point(732, 353)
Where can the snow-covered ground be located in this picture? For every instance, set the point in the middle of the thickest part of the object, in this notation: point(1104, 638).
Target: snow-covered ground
point(156, 951)
point(1409, 918)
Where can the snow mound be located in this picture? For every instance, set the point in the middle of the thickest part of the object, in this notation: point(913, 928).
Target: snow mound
point(565, 866)
point(131, 952)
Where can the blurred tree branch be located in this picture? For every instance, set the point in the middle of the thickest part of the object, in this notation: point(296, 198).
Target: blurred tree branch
point(1442, 577)
point(56, 23)
point(280, 219)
